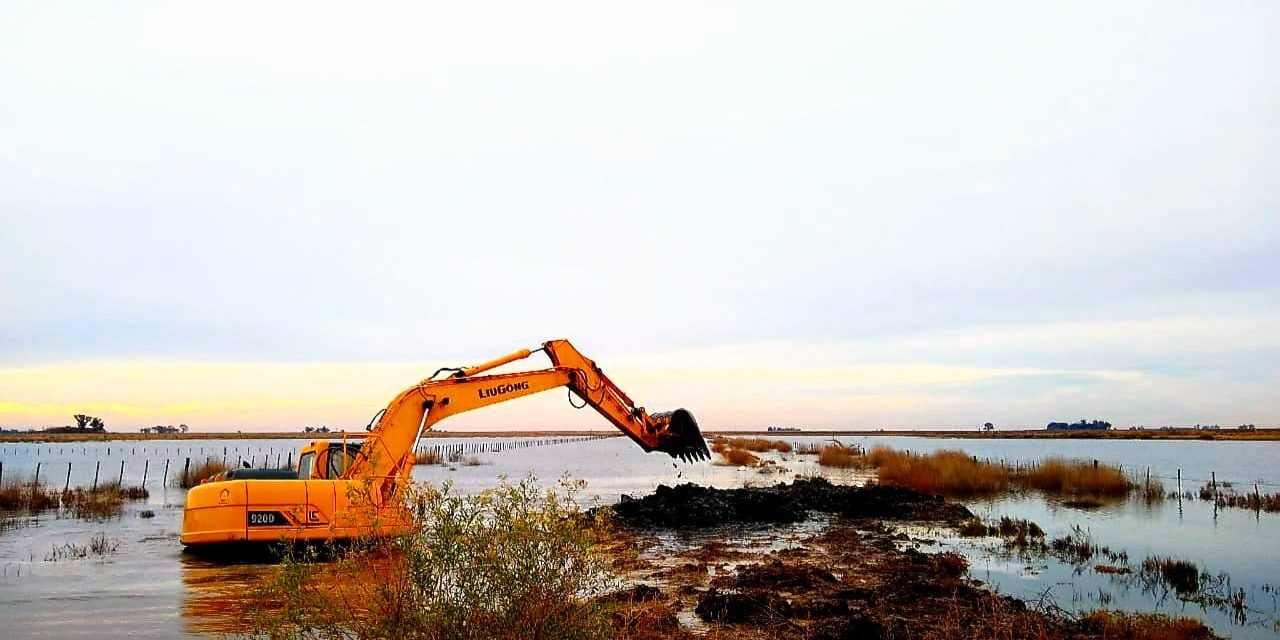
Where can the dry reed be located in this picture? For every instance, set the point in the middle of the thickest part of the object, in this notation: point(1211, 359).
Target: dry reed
point(102, 502)
point(955, 473)
point(1182, 575)
point(952, 473)
point(199, 473)
point(27, 496)
point(836, 455)
point(1058, 476)
point(738, 458)
point(758, 445)
point(1144, 626)
point(428, 456)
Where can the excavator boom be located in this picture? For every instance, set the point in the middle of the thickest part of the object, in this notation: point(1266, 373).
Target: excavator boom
point(341, 481)
point(418, 408)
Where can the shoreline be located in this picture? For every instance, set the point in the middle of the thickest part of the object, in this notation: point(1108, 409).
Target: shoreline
point(1258, 435)
point(12, 437)
point(1270, 434)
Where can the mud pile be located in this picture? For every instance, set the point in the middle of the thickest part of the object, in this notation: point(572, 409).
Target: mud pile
point(851, 582)
point(693, 506)
point(855, 578)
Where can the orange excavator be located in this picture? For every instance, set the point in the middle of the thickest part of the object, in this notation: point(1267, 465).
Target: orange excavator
point(349, 489)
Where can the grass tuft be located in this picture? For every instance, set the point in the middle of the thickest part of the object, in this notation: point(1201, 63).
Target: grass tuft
point(99, 545)
point(955, 473)
point(30, 497)
point(428, 456)
point(515, 561)
point(840, 456)
point(738, 458)
point(199, 473)
point(1057, 476)
point(102, 502)
point(1181, 575)
point(1143, 626)
point(952, 473)
point(105, 501)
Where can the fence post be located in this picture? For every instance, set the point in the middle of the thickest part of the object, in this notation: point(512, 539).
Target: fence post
point(67, 486)
point(96, 466)
point(186, 470)
point(1, 471)
point(36, 481)
point(165, 480)
point(120, 480)
point(145, 466)
point(1213, 483)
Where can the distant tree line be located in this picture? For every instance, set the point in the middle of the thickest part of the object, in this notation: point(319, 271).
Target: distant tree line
point(1094, 425)
point(84, 424)
point(163, 428)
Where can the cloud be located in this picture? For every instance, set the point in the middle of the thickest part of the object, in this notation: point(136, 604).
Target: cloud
point(901, 215)
point(912, 382)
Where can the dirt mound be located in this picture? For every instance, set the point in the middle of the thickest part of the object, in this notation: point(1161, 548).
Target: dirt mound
point(733, 608)
point(780, 575)
point(693, 506)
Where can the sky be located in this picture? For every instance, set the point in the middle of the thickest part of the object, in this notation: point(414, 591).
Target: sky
point(262, 216)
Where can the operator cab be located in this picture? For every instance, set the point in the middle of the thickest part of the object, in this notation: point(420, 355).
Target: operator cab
point(326, 459)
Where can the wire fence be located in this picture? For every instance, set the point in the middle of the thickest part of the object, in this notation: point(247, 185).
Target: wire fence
point(151, 466)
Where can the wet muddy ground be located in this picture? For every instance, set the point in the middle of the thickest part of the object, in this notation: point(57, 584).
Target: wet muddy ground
point(147, 587)
point(812, 561)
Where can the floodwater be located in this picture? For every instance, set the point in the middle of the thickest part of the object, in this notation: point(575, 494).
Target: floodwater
point(149, 588)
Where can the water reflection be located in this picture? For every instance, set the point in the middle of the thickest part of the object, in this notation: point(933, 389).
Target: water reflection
point(149, 588)
point(218, 595)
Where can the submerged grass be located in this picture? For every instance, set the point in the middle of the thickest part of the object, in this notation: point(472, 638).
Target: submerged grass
point(101, 502)
point(1224, 495)
point(98, 545)
point(1183, 576)
point(31, 497)
point(106, 501)
point(1078, 547)
point(1006, 527)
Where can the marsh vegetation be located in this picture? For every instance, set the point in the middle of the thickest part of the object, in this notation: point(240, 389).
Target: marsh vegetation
point(191, 476)
point(515, 561)
point(519, 561)
point(96, 503)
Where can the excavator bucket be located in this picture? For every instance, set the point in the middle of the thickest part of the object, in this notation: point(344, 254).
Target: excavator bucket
point(681, 437)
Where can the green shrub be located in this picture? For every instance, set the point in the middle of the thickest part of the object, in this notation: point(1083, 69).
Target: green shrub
point(515, 561)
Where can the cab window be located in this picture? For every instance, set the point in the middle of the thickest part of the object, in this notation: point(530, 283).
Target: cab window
point(338, 462)
point(304, 465)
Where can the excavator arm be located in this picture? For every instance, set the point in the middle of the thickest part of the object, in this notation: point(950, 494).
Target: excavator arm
point(388, 451)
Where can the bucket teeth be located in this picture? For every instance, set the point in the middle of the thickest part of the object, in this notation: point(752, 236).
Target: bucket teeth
point(680, 437)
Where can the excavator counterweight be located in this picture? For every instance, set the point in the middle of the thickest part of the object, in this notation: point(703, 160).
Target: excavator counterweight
point(350, 489)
